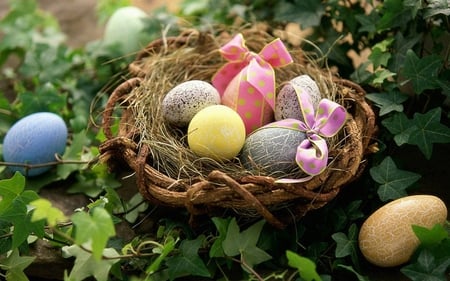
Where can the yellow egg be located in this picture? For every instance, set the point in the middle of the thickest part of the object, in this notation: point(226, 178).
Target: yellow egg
point(216, 131)
point(386, 238)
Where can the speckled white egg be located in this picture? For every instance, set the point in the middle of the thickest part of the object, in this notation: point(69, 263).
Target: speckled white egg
point(287, 105)
point(35, 139)
point(183, 101)
point(386, 238)
point(271, 150)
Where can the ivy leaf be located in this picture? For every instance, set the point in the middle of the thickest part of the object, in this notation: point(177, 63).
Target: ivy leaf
point(244, 243)
point(307, 13)
point(164, 251)
point(400, 126)
point(422, 72)
point(381, 75)
point(86, 265)
point(43, 210)
point(216, 249)
point(388, 102)
point(429, 130)
point(189, 262)
point(380, 54)
point(306, 267)
point(346, 245)
point(96, 228)
point(13, 208)
point(427, 267)
point(74, 151)
point(429, 237)
point(402, 45)
point(392, 180)
point(14, 266)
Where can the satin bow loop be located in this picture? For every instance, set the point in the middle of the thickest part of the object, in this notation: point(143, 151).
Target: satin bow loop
point(258, 68)
point(325, 122)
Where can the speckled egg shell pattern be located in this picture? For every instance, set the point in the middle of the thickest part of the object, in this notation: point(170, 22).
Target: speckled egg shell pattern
point(271, 150)
point(287, 105)
point(386, 238)
point(35, 139)
point(183, 101)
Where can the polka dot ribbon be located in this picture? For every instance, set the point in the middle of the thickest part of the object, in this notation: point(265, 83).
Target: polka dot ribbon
point(258, 68)
point(327, 121)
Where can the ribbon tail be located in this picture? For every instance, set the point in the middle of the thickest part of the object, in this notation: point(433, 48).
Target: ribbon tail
point(276, 54)
point(312, 155)
point(330, 118)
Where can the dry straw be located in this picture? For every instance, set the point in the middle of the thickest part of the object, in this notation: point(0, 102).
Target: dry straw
point(169, 173)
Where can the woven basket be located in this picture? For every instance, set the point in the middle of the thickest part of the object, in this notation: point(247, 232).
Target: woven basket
point(218, 192)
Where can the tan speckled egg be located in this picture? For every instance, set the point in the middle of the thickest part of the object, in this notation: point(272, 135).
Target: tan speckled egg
point(386, 238)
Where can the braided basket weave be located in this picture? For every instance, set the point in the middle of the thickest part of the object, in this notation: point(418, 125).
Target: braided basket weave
point(218, 191)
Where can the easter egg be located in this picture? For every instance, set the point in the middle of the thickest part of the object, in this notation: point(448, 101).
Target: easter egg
point(386, 238)
point(125, 29)
point(271, 150)
point(216, 132)
point(183, 101)
point(251, 105)
point(35, 139)
point(287, 105)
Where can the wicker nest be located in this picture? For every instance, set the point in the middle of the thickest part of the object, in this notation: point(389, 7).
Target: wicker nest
point(169, 174)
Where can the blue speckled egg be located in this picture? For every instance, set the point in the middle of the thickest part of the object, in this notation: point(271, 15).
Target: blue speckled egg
point(271, 150)
point(35, 139)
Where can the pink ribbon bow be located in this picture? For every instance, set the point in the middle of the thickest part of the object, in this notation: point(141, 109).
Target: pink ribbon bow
point(327, 121)
point(258, 67)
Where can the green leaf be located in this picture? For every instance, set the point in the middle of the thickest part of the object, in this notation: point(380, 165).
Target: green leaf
point(392, 180)
point(394, 15)
point(427, 268)
point(164, 251)
point(307, 13)
point(345, 245)
point(10, 189)
point(422, 72)
point(86, 265)
point(14, 210)
point(400, 126)
point(73, 152)
point(96, 228)
point(388, 102)
point(14, 266)
point(305, 266)
point(429, 130)
point(189, 262)
point(221, 224)
point(381, 75)
point(43, 210)
point(429, 237)
point(380, 54)
point(244, 243)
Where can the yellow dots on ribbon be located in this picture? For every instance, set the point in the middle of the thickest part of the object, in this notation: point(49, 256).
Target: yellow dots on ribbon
point(320, 111)
point(270, 95)
point(257, 103)
point(261, 83)
point(248, 115)
point(241, 102)
point(251, 90)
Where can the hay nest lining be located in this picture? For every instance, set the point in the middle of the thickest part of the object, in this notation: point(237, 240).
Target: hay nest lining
point(170, 174)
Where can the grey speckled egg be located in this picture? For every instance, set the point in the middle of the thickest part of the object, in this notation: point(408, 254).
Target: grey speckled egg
point(183, 101)
point(271, 150)
point(287, 105)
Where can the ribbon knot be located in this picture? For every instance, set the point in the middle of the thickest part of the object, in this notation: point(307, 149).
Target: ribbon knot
point(327, 121)
point(258, 67)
